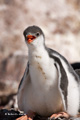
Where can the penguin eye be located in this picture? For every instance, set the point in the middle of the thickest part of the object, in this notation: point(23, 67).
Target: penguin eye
point(37, 34)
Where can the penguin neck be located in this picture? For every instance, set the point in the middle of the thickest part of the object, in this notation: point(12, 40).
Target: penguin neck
point(38, 51)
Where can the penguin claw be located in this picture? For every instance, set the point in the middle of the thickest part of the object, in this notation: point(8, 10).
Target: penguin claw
point(59, 115)
point(24, 118)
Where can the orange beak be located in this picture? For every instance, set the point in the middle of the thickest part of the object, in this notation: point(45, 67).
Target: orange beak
point(30, 38)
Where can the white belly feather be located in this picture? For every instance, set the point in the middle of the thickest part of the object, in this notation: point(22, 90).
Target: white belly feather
point(42, 95)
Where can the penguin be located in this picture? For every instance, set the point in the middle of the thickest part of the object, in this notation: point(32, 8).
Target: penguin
point(49, 87)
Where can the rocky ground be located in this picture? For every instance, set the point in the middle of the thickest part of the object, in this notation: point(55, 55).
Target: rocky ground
point(60, 21)
point(13, 115)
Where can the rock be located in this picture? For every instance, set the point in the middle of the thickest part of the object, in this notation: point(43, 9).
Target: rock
point(12, 114)
point(76, 65)
point(11, 72)
point(8, 102)
point(75, 118)
point(59, 20)
point(12, 68)
point(9, 114)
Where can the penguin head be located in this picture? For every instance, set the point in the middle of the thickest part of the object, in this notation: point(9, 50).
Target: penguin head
point(34, 36)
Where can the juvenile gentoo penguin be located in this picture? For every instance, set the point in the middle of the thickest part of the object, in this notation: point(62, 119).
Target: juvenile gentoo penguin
point(50, 86)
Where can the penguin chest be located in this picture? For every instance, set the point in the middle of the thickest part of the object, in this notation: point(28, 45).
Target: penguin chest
point(44, 78)
point(43, 72)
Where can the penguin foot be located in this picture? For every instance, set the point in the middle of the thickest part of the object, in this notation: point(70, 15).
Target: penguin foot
point(24, 118)
point(29, 116)
point(59, 115)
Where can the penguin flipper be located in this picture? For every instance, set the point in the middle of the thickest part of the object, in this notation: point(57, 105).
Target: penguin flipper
point(62, 83)
point(69, 89)
point(68, 83)
point(24, 76)
point(62, 76)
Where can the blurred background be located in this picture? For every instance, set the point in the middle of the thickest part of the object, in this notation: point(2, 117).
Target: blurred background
point(60, 21)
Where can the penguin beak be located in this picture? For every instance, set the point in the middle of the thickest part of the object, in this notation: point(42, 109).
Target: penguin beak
point(30, 38)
